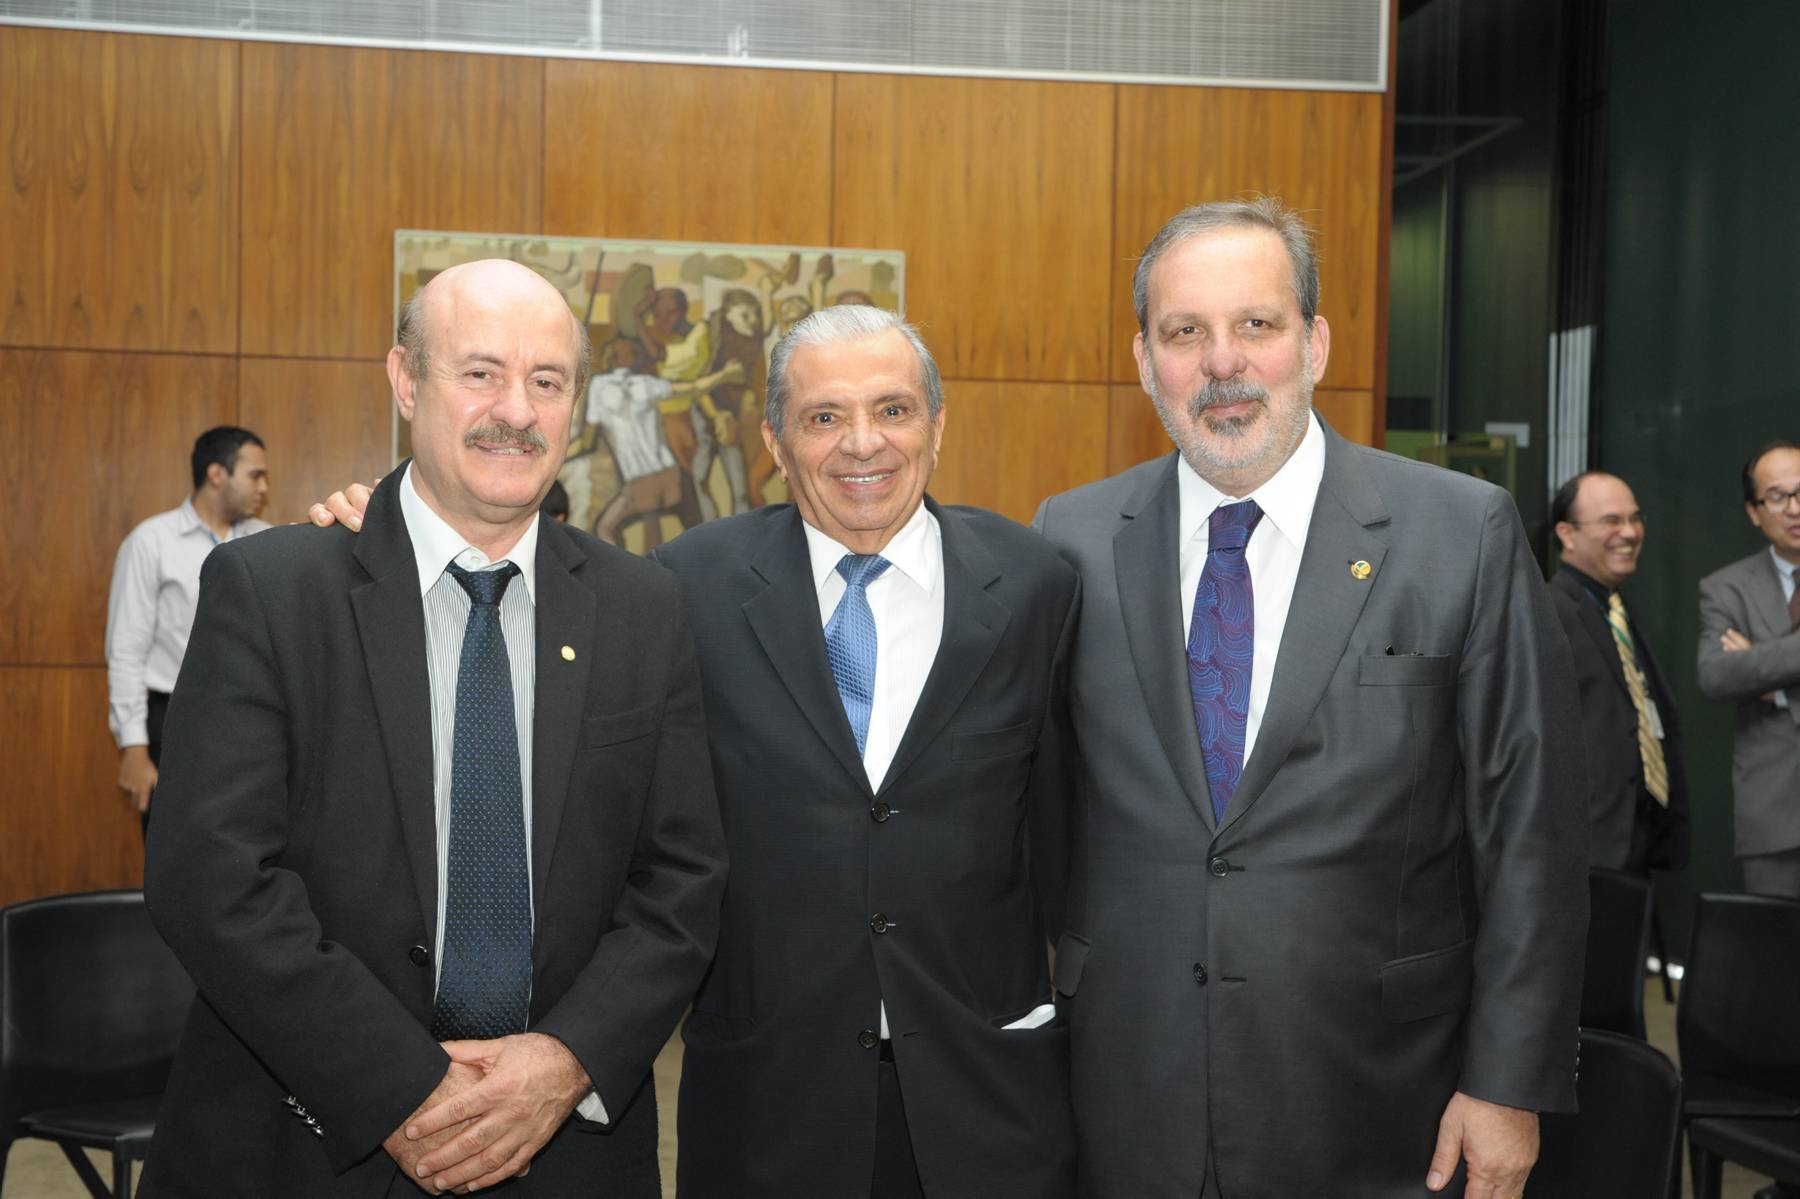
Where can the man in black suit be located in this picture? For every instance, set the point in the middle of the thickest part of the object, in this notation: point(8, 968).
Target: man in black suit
point(1637, 790)
point(878, 1019)
point(436, 834)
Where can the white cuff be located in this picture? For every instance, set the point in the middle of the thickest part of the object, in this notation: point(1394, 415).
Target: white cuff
point(591, 1108)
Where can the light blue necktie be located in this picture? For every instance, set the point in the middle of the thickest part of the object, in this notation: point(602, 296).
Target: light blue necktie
point(484, 987)
point(850, 642)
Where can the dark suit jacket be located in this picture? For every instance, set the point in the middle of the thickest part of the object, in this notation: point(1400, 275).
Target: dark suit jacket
point(1627, 830)
point(963, 850)
point(293, 864)
point(1394, 905)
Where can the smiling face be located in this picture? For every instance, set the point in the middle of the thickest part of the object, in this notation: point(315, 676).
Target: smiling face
point(1777, 474)
point(490, 411)
point(858, 442)
point(1226, 357)
point(1605, 531)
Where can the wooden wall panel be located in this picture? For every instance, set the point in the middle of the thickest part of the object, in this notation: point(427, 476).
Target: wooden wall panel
point(90, 444)
point(326, 424)
point(1319, 151)
point(1008, 445)
point(998, 192)
point(119, 214)
point(1351, 413)
point(687, 153)
point(65, 826)
point(343, 146)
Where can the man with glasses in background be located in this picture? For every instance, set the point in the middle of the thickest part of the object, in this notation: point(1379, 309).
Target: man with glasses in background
point(1637, 790)
point(1750, 655)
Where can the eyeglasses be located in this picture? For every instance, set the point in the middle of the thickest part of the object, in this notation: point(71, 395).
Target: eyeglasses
point(1612, 522)
point(1779, 501)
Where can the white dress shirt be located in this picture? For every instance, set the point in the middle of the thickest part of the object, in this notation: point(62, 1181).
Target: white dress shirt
point(1273, 554)
point(436, 545)
point(150, 612)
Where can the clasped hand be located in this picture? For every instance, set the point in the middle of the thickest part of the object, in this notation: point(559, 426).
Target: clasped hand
point(498, 1104)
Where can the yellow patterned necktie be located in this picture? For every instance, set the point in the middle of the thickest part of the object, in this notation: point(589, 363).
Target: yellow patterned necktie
point(1656, 771)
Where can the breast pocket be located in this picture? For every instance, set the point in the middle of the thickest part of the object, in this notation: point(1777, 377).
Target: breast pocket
point(1407, 670)
point(999, 743)
point(616, 728)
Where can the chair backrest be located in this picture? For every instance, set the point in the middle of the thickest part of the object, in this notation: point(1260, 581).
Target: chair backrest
point(1624, 1140)
point(91, 1002)
point(1612, 990)
point(1738, 995)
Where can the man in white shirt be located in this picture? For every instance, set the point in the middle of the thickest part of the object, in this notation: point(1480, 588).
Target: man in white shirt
point(1326, 930)
point(884, 708)
point(1750, 657)
point(156, 583)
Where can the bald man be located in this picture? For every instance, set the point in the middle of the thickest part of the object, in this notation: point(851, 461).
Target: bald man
point(444, 878)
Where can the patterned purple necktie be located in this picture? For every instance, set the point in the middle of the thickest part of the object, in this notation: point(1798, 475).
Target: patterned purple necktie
point(1221, 637)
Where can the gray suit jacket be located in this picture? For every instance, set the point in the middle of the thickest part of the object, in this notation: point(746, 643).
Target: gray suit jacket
point(1765, 756)
point(1394, 905)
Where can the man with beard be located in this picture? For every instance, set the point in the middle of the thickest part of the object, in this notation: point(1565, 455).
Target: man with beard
point(1326, 929)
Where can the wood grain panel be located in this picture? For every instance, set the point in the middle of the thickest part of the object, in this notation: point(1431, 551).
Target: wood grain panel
point(998, 192)
point(90, 444)
point(65, 825)
point(1319, 151)
point(326, 424)
point(687, 153)
point(1008, 445)
point(119, 218)
point(342, 147)
point(1135, 433)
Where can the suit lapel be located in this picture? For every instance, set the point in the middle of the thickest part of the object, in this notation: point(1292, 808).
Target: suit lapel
point(390, 620)
point(785, 618)
point(1594, 621)
point(1147, 560)
point(1327, 601)
point(567, 616)
point(1766, 594)
point(973, 624)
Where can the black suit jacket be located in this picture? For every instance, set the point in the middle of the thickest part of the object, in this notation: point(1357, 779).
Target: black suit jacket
point(293, 863)
point(1627, 830)
point(962, 850)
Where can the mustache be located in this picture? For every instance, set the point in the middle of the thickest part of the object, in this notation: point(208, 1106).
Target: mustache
point(505, 437)
point(1219, 392)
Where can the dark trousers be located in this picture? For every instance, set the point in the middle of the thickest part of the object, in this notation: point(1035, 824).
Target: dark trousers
point(153, 726)
point(896, 1173)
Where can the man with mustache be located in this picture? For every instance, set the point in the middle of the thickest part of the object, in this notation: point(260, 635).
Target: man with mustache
point(1637, 789)
point(436, 835)
point(1326, 930)
point(1750, 657)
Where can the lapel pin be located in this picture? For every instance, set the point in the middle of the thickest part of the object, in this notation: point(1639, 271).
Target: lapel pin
point(568, 653)
point(1360, 570)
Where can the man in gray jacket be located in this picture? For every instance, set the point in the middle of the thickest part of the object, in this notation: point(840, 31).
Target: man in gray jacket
point(1750, 656)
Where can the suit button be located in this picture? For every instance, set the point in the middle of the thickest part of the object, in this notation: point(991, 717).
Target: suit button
point(1218, 867)
point(881, 812)
point(867, 1038)
point(1199, 974)
point(880, 923)
point(420, 955)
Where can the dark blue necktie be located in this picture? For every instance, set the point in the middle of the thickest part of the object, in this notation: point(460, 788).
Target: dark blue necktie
point(484, 986)
point(850, 642)
point(1221, 638)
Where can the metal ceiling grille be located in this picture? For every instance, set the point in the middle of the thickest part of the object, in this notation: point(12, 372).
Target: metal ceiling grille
point(1332, 44)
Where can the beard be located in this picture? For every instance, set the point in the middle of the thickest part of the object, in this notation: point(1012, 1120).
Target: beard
point(1222, 449)
point(499, 436)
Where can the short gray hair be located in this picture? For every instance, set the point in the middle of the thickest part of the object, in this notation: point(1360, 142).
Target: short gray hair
point(845, 322)
point(410, 336)
point(1263, 212)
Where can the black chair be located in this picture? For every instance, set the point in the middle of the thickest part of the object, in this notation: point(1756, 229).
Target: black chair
point(91, 1006)
point(1626, 1140)
point(1770, 1147)
point(1612, 990)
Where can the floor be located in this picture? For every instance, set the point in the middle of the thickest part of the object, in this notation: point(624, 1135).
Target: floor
point(37, 1170)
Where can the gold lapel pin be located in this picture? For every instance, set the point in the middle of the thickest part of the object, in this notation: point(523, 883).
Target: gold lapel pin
point(568, 653)
point(1360, 570)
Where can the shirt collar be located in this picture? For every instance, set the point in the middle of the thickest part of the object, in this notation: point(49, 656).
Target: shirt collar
point(435, 544)
point(1286, 500)
point(1594, 586)
point(916, 551)
point(189, 521)
point(1783, 565)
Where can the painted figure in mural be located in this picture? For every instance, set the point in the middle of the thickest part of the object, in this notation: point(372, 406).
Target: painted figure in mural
point(681, 350)
point(735, 409)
